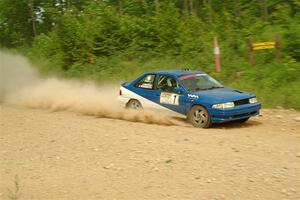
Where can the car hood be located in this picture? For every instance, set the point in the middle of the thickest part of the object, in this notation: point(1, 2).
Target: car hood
point(221, 95)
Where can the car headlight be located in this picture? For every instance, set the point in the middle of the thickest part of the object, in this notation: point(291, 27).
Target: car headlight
point(224, 105)
point(253, 100)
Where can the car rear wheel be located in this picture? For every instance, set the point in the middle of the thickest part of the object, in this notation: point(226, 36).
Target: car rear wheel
point(199, 117)
point(134, 104)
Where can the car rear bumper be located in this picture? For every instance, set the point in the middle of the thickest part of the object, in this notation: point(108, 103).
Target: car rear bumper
point(235, 113)
point(123, 101)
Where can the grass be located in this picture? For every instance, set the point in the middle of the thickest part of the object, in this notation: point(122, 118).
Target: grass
point(14, 194)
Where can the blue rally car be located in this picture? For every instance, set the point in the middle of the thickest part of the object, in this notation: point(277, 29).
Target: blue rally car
point(194, 94)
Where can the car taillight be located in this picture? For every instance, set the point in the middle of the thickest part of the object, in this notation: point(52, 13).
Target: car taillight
point(120, 92)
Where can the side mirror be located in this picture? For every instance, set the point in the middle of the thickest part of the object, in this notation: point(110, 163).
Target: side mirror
point(179, 90)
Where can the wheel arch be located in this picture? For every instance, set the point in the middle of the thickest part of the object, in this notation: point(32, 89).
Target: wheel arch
point(198, 104)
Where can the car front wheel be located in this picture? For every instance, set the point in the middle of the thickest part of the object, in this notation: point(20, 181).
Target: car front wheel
point(199, 117)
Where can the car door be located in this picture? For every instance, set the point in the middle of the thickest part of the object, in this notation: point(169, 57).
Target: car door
point(169, 94)
point(146, 91)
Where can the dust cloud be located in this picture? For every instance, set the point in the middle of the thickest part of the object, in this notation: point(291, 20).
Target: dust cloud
point(21, 86)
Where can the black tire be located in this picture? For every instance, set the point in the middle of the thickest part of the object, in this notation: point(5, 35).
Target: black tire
point(199, 117)
point(134, 104)
point(242, 120)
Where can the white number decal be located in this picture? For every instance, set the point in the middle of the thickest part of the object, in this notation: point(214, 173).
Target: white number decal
point(169, 98)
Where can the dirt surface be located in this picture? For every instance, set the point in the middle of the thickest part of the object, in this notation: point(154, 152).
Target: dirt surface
point(64, 155)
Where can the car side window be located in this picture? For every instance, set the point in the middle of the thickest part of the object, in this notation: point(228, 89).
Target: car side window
point(166, 83)
point(147, 82)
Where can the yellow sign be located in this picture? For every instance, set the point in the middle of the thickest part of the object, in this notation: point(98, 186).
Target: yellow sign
point(263, 45)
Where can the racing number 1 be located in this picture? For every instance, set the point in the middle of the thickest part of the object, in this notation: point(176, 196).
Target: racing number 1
point(169, 98)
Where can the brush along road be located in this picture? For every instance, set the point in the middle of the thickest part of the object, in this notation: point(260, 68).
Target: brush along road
point(65, 155)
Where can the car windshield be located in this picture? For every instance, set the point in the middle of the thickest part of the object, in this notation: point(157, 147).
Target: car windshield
point(195, 82)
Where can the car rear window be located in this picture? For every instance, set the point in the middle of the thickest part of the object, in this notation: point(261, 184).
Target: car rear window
point(146, 82)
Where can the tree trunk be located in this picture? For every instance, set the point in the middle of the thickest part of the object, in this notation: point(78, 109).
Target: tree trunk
point(208, 5)
point(237, 8)
point(191, 6)
point(120, 6)
point(33, 19)
point(264, 10)
point(157, 4)
point(185, 6)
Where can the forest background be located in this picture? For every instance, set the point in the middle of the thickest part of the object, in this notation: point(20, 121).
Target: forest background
point(117, 40)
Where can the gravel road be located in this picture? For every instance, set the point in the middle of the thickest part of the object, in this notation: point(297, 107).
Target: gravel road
point(64, 155)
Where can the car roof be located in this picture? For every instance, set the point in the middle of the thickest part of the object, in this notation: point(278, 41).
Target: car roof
point(177, 73)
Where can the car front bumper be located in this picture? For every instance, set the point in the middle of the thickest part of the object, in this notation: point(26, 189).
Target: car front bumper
point(235, 113)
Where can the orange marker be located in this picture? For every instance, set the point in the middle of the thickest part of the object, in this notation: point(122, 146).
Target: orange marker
point(217, 55)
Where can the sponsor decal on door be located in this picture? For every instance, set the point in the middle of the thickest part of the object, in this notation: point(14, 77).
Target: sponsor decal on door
point(169, 98)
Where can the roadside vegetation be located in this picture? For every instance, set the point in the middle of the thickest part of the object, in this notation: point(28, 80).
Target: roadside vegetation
point(14, 194)
point(120, 39)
